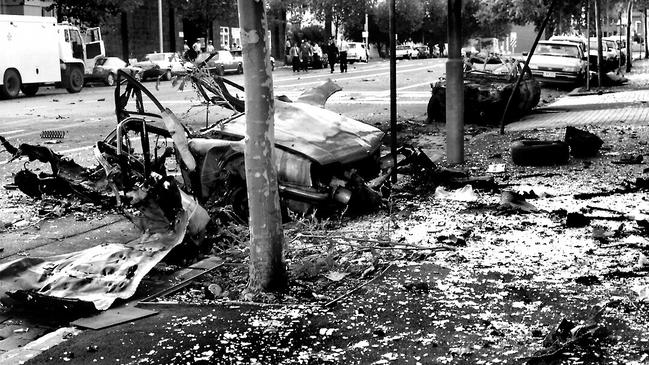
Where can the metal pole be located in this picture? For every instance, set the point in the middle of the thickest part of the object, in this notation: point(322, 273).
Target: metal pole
point(588, 45)
point(526, 65)
point(160, 24)
point(454, 86)
point(393, 90)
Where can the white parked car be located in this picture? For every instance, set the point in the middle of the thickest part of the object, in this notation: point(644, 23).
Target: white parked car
point(559, 62)
point(406, 51)
point(168, 64)
point(356, 52)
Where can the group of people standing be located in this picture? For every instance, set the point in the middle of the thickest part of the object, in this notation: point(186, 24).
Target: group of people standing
point(304, 53)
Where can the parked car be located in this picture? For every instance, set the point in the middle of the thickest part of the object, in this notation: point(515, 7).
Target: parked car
point(323, 158)
point(357, 52)
point(106, 68)
point(221, 62)
point(166, 64)
point(559, 62)
point(609, 55)
point(238, 57)
point(406, 51)
point(423, 52)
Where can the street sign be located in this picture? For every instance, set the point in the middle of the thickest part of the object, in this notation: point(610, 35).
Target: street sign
point(365, 34)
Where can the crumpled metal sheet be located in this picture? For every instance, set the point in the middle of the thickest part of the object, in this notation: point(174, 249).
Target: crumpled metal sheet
point(109, 271)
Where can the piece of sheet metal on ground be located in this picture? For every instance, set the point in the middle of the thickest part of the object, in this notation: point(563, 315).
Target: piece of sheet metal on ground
point(103, 273)
point(113, 316)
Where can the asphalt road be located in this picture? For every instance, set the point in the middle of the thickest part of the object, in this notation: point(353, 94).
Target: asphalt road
point(89, 115)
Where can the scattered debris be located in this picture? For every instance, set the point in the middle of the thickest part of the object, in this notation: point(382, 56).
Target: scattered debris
point(465, 194)
point(52, 134)
point(513, 201)
point(629, 159)
point(568, 337)
point(582, 143)
point(539, 153)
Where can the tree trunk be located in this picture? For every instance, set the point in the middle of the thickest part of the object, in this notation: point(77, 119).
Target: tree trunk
point(267, 266)
point(125, 41)
point(646, 39)
point(328, 19)
point(629, 48)
point(598, 32)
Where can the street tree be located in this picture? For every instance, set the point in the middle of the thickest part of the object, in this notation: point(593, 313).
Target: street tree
point(205, 12)
point(348, 14)
point(92, 12)
point(409, 17)
point(267, 268)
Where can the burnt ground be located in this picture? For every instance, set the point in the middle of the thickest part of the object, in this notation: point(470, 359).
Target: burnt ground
point(436, 280)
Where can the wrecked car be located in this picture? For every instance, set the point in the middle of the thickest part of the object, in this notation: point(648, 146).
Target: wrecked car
point(323, 159)
point(486, 92)
point(167, 177)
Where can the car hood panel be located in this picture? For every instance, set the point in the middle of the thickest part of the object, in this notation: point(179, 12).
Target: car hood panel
point(319, 134)
point(554, 61)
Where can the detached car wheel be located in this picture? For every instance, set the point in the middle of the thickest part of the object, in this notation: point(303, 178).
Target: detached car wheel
point(11, 83)
point(539, 153)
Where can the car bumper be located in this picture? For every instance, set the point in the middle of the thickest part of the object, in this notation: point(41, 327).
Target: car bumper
point(559, 77)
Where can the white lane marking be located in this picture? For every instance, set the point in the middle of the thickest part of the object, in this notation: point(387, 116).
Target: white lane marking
point(413, 86)
point(11, 132)
point(351, 78)
point(379, 102)
point(362, 69)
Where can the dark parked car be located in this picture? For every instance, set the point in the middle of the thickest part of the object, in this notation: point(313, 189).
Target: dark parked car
point(106, 68)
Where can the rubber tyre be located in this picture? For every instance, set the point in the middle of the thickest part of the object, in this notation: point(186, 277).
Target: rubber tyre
point(168, 75)
point(240, 69)
point(110, 80)
point(11, 84)
point(30, 89)
point(539, 153)
point(74, 80)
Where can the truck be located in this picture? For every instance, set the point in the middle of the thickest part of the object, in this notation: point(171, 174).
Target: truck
point(38, 51)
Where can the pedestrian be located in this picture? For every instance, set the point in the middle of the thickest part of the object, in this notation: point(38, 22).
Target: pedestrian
point(185, 46)
point(295, 56)
point(342, 51)
point(210, 47)
point(306, 54)
point(317, 54)
point(332, 53)
point(287, 48)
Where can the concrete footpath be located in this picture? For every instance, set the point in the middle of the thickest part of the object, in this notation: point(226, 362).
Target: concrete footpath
point(481, 314)
point(621, 104)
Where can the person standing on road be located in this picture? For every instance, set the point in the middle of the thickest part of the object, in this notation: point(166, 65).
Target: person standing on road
point(295, 58)
point(306, 53)
point(287, 47)
point(332, 53)
point(343, 55)
point(210, 47)
point(317, 54)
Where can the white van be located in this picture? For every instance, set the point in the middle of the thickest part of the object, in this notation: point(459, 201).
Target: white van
point(357, 52)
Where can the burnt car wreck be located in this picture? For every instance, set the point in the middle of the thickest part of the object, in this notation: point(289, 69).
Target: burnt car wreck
point(168, 180)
